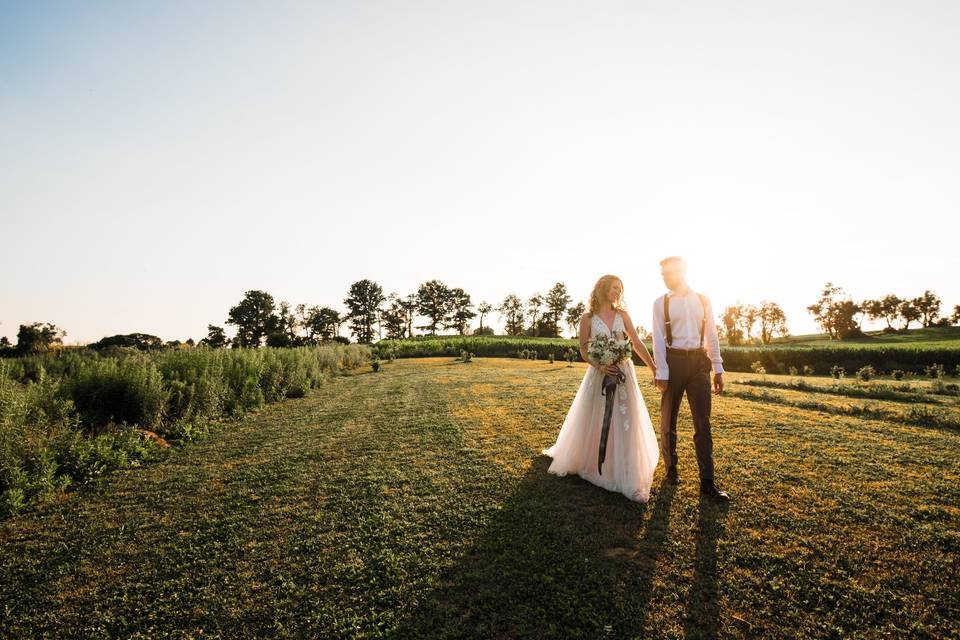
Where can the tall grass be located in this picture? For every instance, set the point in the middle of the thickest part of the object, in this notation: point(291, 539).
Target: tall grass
point(67, 419)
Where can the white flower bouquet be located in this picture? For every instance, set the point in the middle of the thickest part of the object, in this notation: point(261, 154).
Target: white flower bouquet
point(606, 350)
point(603, 350)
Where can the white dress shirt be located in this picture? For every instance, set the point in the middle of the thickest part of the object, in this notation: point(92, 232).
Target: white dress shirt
point(686, 312)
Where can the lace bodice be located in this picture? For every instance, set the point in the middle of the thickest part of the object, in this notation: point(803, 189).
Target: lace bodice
point(599, 326)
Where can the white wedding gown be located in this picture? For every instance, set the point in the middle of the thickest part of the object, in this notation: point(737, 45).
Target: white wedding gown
point(632, 450)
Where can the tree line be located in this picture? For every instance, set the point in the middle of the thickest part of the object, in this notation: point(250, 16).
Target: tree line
point(370, 314)
point(841, 317)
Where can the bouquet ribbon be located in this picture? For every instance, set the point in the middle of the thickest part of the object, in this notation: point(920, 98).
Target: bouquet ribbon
point(608, 389)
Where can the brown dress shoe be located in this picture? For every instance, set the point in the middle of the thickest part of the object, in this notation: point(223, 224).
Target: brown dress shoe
point(672, 476)
point(710, 490)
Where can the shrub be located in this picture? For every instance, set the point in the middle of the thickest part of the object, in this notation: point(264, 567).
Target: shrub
point(837, 372)
point(757, 367)
point(807, 370)
point(866, 372)
point(793, 371)
point(934, 371)
point(897, 374)
point(126, 391)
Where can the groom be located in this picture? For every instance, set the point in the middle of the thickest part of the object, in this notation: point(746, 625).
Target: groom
point(682, 321)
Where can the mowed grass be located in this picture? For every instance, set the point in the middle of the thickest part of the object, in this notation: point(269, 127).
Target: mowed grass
point(414, 502)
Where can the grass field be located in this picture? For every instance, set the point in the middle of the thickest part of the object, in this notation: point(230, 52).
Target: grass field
point(414, 503)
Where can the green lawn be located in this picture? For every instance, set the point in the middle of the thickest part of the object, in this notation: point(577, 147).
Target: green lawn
point(414, 503)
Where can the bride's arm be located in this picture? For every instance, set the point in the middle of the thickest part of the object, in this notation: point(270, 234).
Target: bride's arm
point(584, 335)
point(638, 344)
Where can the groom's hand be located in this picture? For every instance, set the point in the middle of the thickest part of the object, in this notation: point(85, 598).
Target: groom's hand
point(718, 383)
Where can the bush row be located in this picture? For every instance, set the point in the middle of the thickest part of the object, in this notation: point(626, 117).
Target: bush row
point(774, 359)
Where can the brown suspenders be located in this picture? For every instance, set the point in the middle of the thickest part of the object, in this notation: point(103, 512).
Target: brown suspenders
point(666, 317)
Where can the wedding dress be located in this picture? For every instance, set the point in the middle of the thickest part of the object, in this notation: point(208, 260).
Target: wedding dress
point(632, 450)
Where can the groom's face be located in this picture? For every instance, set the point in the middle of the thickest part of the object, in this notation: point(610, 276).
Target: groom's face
point(673, 274)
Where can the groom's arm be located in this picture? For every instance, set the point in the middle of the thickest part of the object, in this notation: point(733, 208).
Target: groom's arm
point(712, 342)
point(659, 343)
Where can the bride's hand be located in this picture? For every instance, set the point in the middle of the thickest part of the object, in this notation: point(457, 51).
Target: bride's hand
point(610, 369)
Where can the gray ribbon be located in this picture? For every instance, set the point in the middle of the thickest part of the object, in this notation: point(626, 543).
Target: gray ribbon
point(608, 389)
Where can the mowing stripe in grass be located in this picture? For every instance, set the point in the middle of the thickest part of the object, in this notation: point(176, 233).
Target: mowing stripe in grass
point(919, 416)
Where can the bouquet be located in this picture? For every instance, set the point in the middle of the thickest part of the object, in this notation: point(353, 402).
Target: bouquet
point(606, 350)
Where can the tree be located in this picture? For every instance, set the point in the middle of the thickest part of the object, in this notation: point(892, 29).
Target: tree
point(363, 308)
point(749, 315)
point(929, 307)
point(216, 338)
point(642, 333)
point(284, 326)
point(512, 309)
point(886, 308)
point(38, 337)
point(323, 322)
point(141, 341)
point(433, 302)
point(574, 314)
point(730, 319)
point(836, 313)
point(773, 321)
point(460, 311)
point(254, 318)
point(557, 301)
point(955, 316)
point(394, 317)
point(909, 312)
point(534, 310)
point(483, 309)
point(410, 305)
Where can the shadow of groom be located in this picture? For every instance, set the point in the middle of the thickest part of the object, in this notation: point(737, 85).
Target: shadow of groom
point(561, 557)
point(702, 619)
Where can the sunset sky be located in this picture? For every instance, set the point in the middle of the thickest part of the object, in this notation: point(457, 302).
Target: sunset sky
point(159, 159)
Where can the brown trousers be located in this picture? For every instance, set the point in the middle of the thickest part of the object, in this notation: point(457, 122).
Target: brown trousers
point(689, 372)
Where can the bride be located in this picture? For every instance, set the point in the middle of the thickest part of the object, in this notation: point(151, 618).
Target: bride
point(632, 451)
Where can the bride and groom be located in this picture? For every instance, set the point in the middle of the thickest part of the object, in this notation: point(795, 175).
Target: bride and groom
point(607, 436)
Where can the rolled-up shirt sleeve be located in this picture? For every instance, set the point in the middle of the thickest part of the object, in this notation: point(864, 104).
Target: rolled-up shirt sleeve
point(711, 340)
point(659, 342)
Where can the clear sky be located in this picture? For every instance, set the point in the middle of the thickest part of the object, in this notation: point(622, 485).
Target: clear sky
point(159, 159)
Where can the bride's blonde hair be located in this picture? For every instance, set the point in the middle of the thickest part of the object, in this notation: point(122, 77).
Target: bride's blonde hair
point(600, 292)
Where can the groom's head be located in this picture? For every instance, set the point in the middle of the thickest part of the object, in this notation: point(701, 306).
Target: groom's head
point(674, 272)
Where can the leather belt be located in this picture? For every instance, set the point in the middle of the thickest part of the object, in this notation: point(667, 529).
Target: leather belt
point(685, 352)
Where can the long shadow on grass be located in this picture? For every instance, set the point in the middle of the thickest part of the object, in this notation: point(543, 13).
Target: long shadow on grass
point(702, 617)
point(560, 557)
